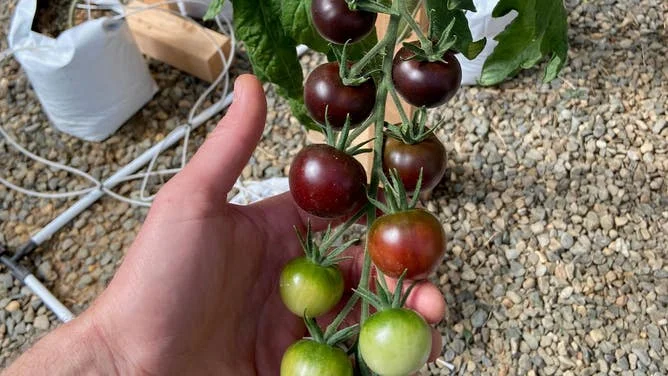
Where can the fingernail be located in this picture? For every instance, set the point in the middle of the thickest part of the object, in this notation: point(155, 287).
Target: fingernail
point(238, 88)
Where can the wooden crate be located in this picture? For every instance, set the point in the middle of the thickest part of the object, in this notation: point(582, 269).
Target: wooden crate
point(171, 39)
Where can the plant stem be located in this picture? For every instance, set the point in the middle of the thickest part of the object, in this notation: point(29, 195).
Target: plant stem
point(397, 103)
point(390, 40)
point(331, 328)
point(343, 228)
point(356, 69)
point(424, 41)
point(413, 6)
point(381, 98)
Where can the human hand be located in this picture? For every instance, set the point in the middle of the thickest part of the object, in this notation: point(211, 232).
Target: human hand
point(197, 292)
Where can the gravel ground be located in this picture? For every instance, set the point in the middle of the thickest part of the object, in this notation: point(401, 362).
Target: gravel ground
point(555, 203)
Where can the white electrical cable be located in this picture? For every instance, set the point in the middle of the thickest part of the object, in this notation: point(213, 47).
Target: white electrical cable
point(88, 12)
point(142, 191)
point(144, 200)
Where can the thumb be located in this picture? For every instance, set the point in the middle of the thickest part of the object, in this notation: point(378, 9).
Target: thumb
point(219, 161)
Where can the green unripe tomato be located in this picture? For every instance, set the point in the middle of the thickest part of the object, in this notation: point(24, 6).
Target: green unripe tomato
point(310, 358)
point(395, 342)
point(309, 287)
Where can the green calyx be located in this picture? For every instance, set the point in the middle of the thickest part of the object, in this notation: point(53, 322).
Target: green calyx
point(429, 50)
point(343, 139)
point(415, 131)
point(396, 198)
point(329, 339)
point(351, 75)
point(383, 299)
point(323, 253)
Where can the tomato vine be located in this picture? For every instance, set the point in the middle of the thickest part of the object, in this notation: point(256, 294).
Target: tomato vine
point(341, 99)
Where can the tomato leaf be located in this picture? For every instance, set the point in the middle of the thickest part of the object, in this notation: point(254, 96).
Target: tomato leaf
point(297, 22)
point(301, 114)
point(440, 16)
point(538, 31)
point(215, 7)
point(461, 4)
point(271, 52)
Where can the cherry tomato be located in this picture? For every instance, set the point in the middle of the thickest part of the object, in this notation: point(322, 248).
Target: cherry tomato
point(424, 83)
point(327, 182)
point(338, 24)
point(428, 155)
point(310, 358)
point(411, 240)
point(310, 288)
point(324, 89)
point(395, 341)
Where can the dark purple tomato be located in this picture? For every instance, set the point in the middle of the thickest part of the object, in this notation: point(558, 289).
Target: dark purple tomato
point(411, 240)
point(424, 83)
point(338, 24)
point(323, 88)
point(327, 182)
point(428, 155)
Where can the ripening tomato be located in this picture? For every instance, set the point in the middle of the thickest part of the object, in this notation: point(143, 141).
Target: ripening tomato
point(310, 358)
point(411, 240)
point(324, 90)
point(327, 182)
point(395, 342)
point(425, 83)
point(309, 288)
point(428, 155)
point(338, 24)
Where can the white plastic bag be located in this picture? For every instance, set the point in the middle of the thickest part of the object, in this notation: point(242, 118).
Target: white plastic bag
point(89, 80)
point(482, 25)
point(255, 190)
point(197, 9)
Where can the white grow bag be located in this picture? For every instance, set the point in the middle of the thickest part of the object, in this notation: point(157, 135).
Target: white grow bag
point(89, 80)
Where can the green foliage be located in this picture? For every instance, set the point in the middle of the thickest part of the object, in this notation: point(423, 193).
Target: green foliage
point(441, 13)
point(297, 23)
point(272, 29)
point(539, 31)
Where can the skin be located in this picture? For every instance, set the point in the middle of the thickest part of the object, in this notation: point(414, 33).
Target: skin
point(337, 23)
point(324, 90)
point(308, 358)
point(424, 83)
point(197, 293)
point(311, 288)
point(327, 182)
point(428, 155)
point(411, 240)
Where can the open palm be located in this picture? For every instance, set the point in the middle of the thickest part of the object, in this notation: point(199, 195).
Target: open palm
point(197, 292)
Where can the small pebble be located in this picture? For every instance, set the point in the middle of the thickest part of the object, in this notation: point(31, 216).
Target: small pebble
point(12, 306)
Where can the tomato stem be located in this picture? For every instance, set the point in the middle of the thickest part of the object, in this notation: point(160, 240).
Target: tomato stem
point(398, 104)
point(343, 228)
point(389, 42)
point(426, 44)
point(334, 325)
point(356, 69)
